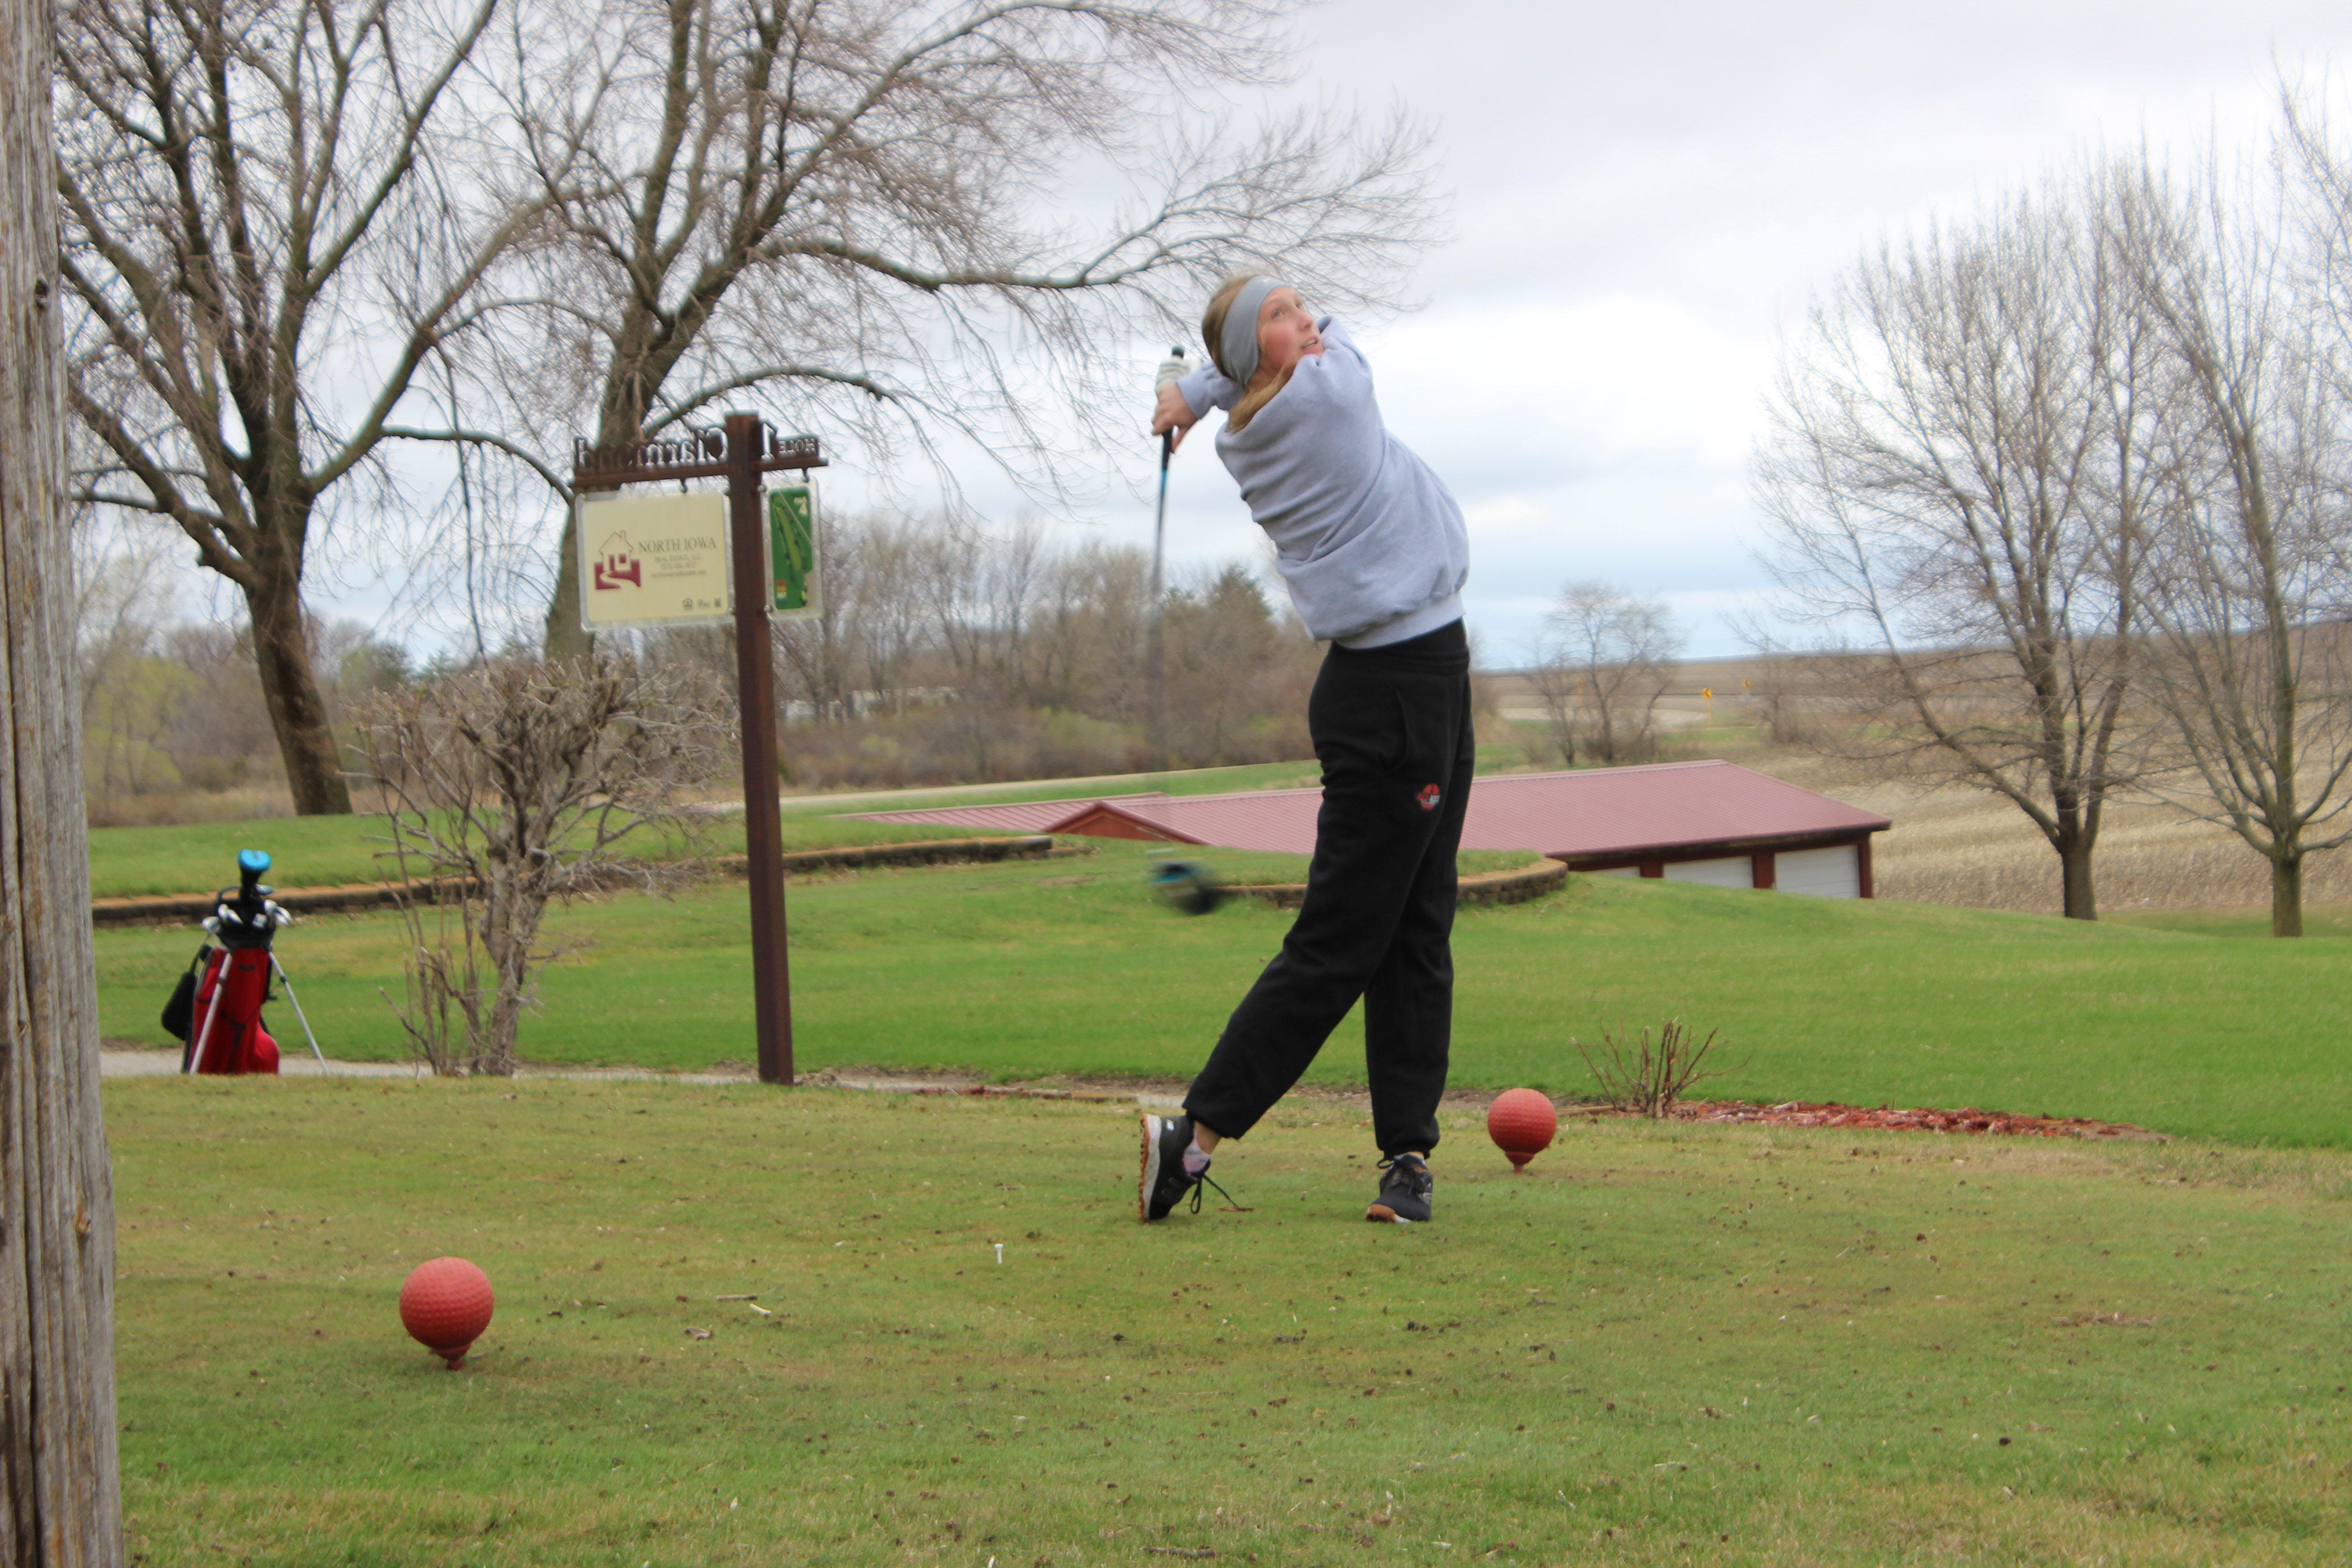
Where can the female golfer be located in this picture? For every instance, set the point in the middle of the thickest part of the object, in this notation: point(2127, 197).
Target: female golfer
point(1373, 550)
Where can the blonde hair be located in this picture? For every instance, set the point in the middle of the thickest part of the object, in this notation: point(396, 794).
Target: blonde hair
point(1212, 329)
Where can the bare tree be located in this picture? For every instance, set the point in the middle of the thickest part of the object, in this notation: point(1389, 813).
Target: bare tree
point(1091, 625)
point(1232, 666)
point(129, 698)
point(1961, 451)
point(1601, 662)
point(266, 234)
point(508, 786)
point(905, 221)
point(2250, 580)
point(60, 1478)
point(890, 624)
point(816, 654)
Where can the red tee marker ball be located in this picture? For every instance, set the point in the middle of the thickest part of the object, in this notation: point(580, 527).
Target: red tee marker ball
point(445, 1305)
point(1522, 1124)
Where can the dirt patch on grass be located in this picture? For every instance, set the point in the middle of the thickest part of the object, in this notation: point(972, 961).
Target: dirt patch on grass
point(1886, 1119)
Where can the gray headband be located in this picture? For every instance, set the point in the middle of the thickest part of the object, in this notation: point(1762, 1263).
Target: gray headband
point(1237, 342)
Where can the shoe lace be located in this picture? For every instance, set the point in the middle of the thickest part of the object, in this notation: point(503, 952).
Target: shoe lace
point(1406, 1170)
point(1205, 1180)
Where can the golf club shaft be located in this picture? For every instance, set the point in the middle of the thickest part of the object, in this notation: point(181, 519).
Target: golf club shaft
point(1171, 372)
point(1157, 672)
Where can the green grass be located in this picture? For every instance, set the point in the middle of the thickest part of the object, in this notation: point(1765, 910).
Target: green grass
point(2319, 920)
point(1034, 969)
point(1662, 1346)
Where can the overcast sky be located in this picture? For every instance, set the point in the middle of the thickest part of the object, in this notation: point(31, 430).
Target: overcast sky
point(1642, 195)
point(1640, 198)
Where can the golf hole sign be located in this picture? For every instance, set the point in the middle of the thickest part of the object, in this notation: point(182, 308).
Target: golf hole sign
point(652, 560)
point(793, 552)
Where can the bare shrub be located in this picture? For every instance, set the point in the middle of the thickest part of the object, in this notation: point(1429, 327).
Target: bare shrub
point(504, 787)
point(1644, 1077)
point(1784, 697)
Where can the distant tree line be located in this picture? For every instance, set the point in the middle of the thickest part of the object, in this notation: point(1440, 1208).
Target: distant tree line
point(949, 655)
point(943, 655)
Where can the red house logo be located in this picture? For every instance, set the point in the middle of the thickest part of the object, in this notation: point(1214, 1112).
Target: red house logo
point(615, 565)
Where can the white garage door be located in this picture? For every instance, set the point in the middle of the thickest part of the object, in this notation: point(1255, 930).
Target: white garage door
point(1825, 873)
point(1732, 871)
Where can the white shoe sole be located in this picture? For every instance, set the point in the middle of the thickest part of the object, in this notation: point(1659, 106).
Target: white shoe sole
point(1150, 1167)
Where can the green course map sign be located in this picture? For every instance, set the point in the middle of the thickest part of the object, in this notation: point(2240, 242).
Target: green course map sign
point(792, 552)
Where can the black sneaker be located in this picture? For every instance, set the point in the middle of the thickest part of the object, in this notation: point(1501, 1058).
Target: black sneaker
point(1404, 1191)
point(1165, 1139)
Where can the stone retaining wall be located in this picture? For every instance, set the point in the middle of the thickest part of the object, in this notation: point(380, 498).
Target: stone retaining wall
point(187, 908)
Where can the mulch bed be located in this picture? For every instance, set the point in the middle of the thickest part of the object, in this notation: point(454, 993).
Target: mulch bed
point(1730, 1112)
point(1886, 1119)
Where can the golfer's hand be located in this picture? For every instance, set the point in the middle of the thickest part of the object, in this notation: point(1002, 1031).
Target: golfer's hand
point(1174, 414)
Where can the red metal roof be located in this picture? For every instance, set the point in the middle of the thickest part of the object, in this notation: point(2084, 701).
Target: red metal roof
point(1027, 816)
point(1595, 813)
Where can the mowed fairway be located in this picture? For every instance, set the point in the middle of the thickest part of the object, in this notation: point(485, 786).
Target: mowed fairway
point(1068, 966)
point(1663, 1345)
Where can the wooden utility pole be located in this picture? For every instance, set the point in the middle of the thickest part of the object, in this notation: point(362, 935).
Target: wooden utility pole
point(60, 1478)
point(739, 453)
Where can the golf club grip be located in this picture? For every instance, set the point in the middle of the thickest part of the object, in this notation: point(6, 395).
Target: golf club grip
point(1172, 371)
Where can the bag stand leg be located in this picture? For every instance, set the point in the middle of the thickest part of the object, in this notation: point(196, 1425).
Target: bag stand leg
point(204, 1035)
point(284, 980)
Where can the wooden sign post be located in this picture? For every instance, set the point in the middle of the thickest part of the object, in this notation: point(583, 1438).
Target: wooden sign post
point(739, 453)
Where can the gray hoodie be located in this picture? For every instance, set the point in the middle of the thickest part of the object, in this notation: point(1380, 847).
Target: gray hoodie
point(1368, 539)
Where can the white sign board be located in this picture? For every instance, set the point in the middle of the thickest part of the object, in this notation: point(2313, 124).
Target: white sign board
point(652, 560)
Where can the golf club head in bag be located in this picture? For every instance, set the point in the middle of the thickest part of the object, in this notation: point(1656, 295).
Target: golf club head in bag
point(1185, 886)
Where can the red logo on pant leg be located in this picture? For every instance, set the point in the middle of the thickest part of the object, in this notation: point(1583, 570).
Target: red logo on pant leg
point(1428, 798)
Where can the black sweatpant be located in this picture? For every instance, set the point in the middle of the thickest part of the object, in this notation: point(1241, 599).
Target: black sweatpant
point(1392, 728)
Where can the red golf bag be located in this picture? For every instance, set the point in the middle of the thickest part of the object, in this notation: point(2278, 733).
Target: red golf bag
point(229, 1036)
point(216, 1009)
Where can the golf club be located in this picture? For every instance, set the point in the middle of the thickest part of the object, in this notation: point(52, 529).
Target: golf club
point(1172, 371)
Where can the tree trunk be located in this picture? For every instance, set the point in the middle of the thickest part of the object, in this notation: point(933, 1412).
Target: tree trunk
point(61, 1481)
point(565, 639)
point(2081, 902)
point(2286, 895)
point(2075, 836)
point(298, 713)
